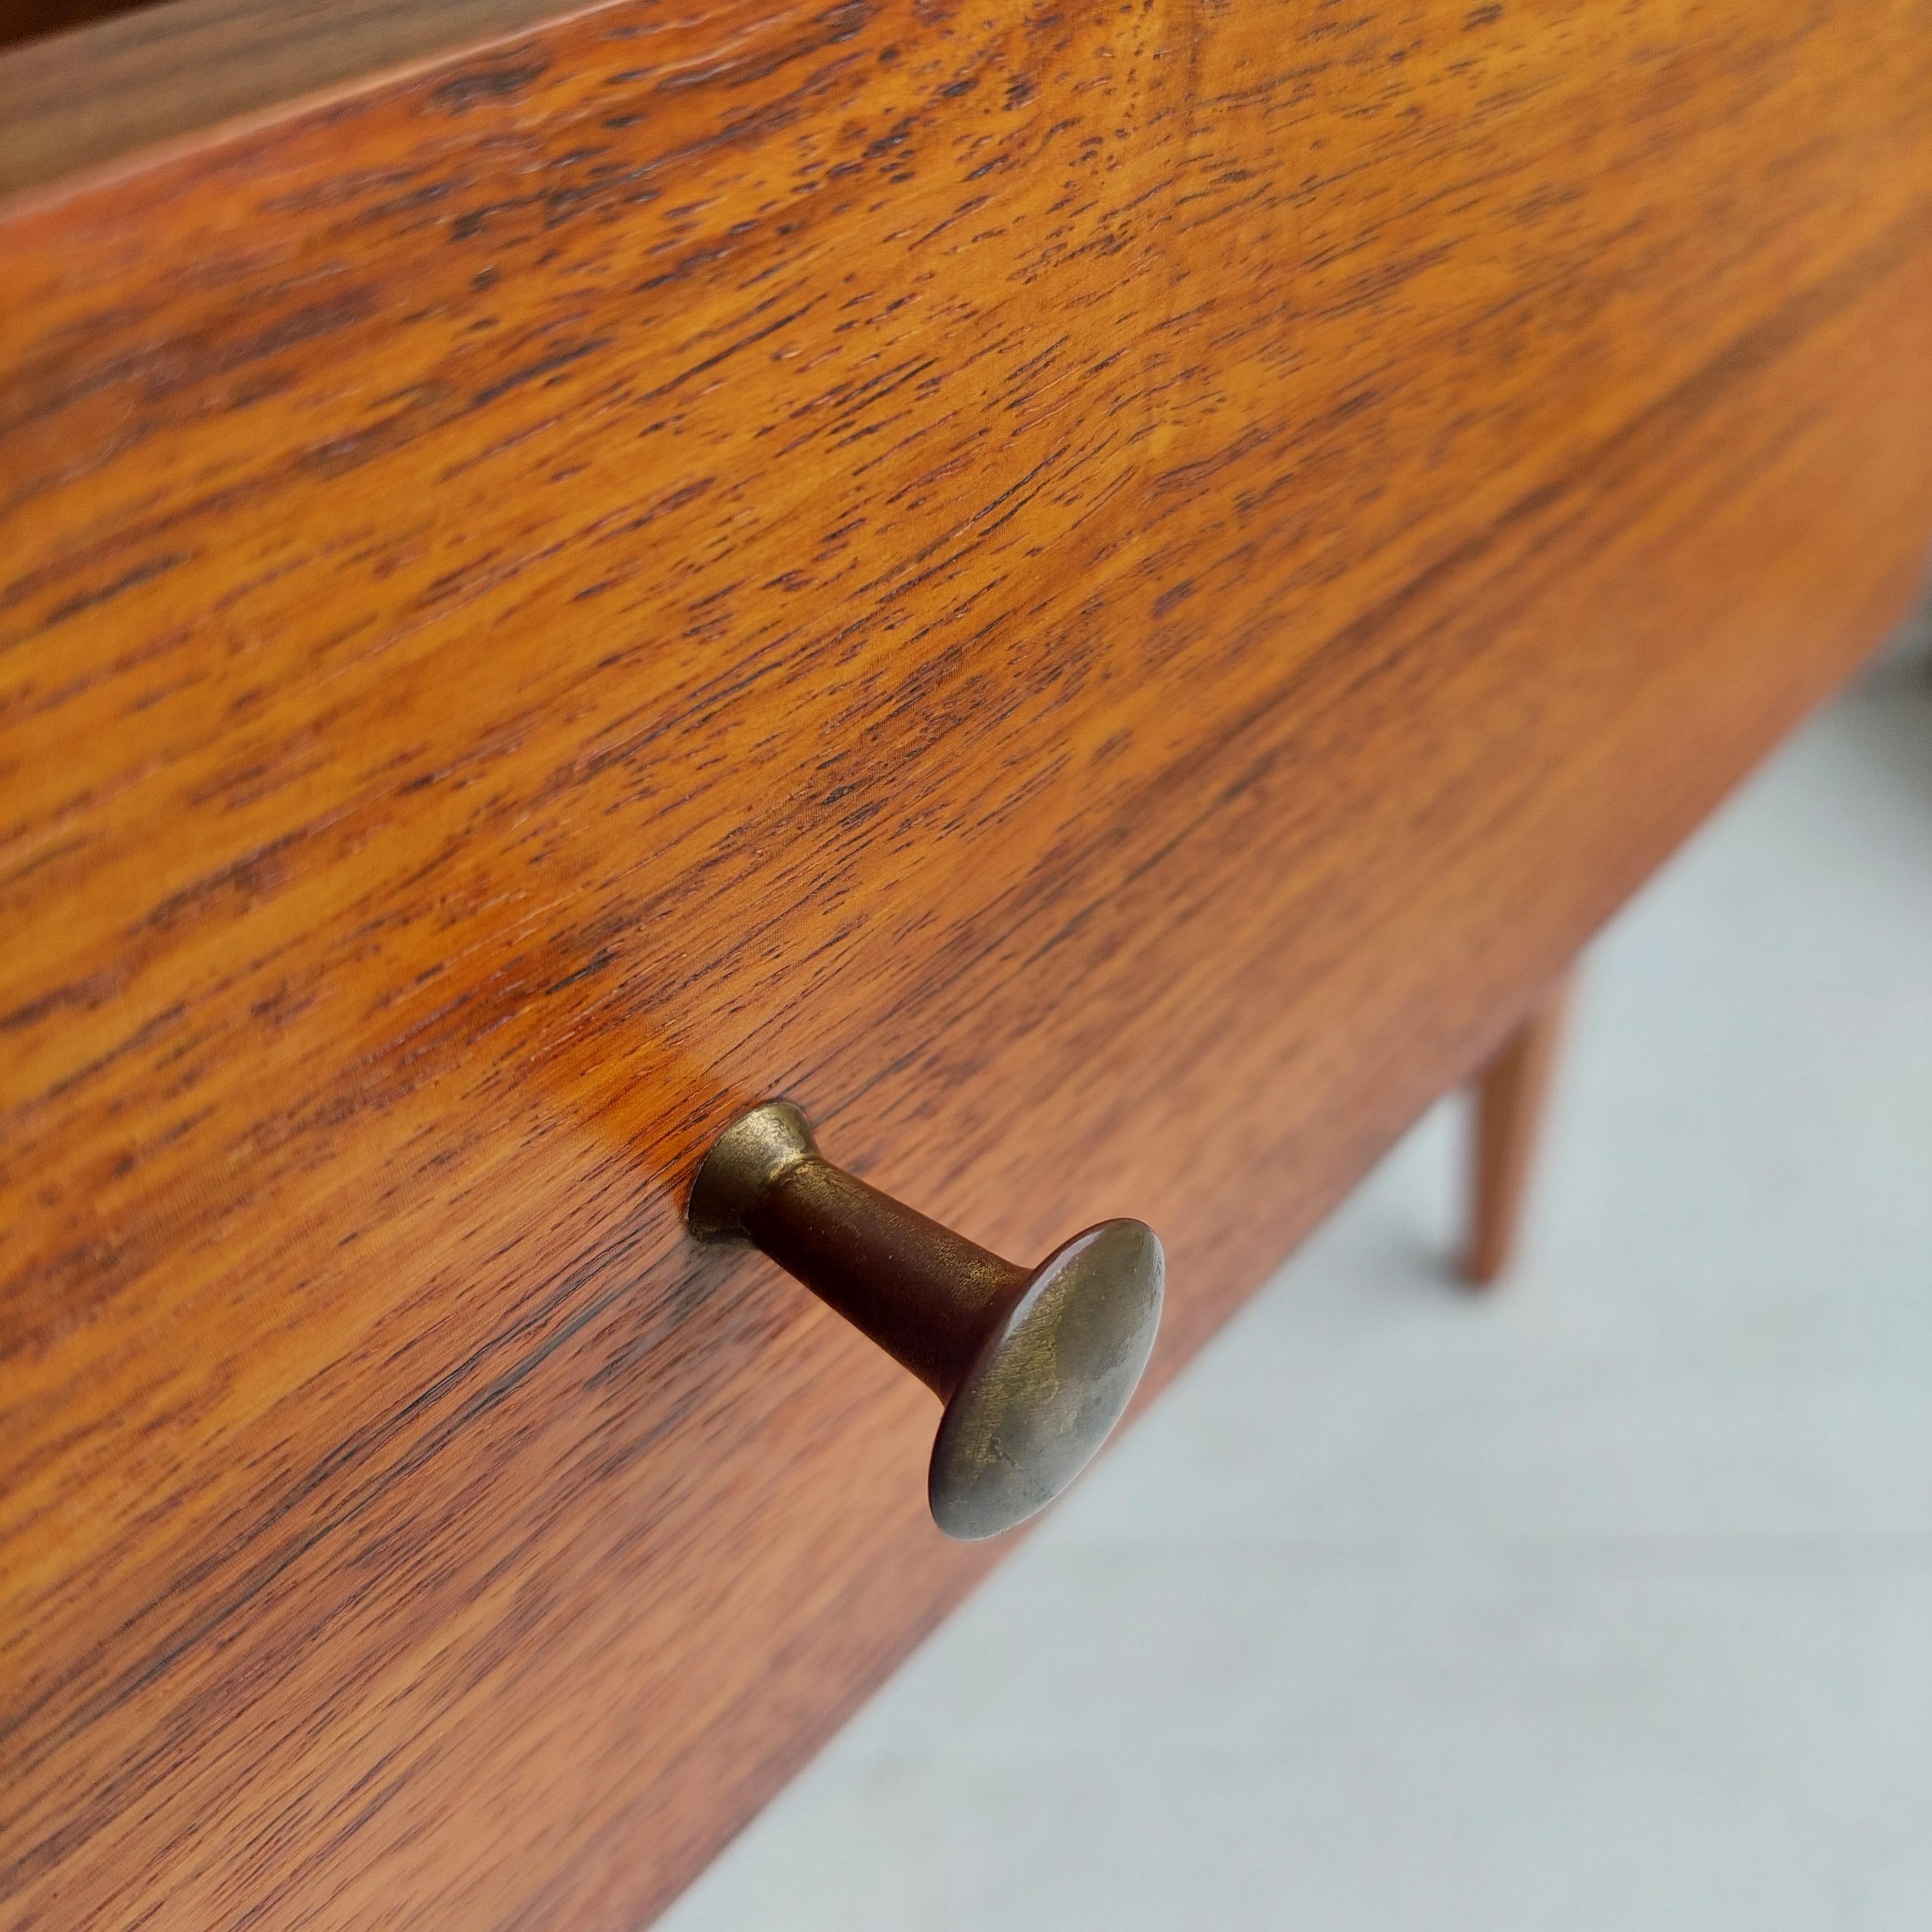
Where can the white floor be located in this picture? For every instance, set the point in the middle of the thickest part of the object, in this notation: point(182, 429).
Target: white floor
point(1606, 1603)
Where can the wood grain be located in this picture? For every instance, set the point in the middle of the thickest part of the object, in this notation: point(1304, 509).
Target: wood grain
point(1100, 598)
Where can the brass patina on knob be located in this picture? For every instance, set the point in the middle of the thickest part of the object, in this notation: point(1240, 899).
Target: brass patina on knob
point(1034, 1365)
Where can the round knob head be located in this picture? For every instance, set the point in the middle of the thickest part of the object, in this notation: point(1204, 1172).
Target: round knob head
point(1050, 1381)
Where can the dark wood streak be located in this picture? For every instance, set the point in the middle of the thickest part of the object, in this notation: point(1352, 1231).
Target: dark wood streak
point(1101, 598)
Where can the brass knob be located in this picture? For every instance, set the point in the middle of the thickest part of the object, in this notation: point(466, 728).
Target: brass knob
point(1034, 1365)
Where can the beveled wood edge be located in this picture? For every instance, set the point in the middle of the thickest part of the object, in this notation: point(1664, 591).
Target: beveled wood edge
point(77, 105)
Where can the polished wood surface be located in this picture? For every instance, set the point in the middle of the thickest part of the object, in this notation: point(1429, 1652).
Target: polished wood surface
point(1099, 598)
point(97, 98)
point(1512, 1097)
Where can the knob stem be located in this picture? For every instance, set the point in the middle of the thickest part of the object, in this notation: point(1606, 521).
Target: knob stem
point(928, 1297)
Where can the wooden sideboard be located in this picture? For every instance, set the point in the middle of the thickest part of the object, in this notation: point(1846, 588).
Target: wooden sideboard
point(1102, 597)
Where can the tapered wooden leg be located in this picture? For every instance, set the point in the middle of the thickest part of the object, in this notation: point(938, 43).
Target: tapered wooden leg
point(1511, 1091)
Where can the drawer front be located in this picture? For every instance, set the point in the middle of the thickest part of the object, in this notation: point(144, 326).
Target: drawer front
point(1098, 597)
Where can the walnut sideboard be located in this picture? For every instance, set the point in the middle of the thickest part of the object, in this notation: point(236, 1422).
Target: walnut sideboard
point(1100, 596)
